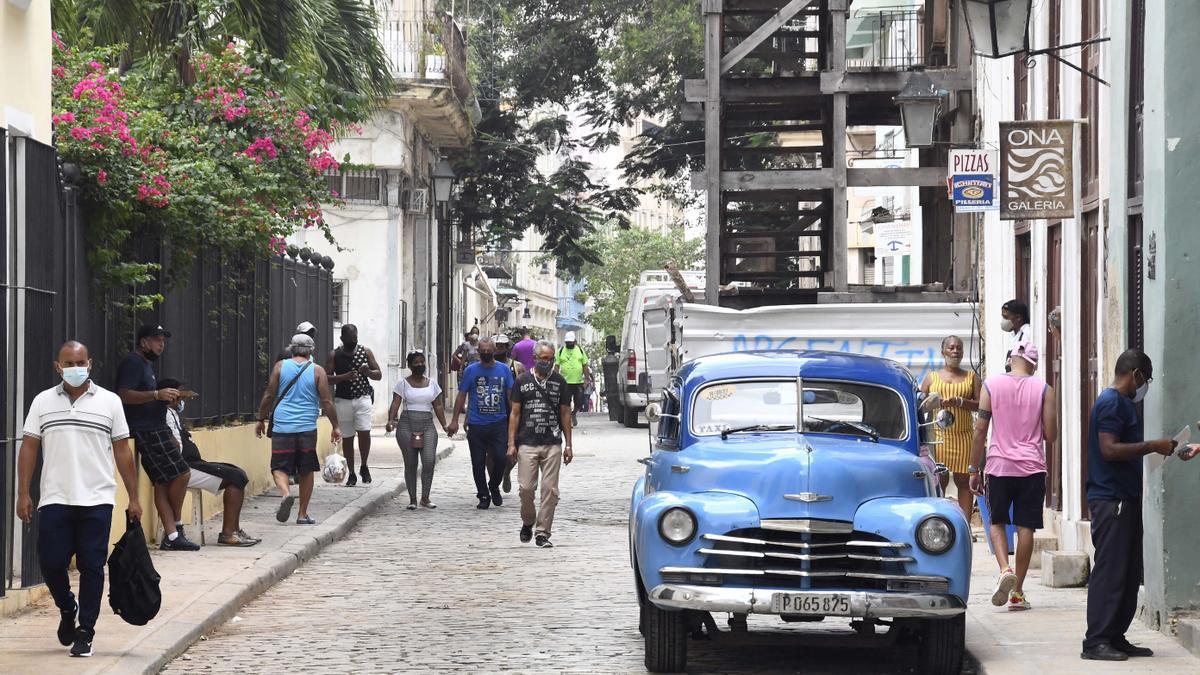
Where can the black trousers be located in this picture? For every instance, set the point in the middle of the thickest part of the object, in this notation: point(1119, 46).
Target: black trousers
point(488, 440)
point(1113, 585)
point(80, 531)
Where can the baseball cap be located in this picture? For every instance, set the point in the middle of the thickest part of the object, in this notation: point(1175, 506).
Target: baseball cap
point(304, 327)
point(303, 340)
point(501, 339)
point(1026, 350)
point(152, 330)
point(569, 337)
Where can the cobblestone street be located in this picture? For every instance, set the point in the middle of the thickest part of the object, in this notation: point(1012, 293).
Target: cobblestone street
point(454, 590)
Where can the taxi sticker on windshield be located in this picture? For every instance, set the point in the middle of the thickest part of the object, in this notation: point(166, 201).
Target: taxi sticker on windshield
point(719, 393)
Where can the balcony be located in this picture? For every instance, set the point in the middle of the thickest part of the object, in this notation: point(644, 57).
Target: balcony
point(428, 55)
point(886, 38)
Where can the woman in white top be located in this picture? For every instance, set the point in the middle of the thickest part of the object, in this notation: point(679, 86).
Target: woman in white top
point(415, 432)
point(1014, 316)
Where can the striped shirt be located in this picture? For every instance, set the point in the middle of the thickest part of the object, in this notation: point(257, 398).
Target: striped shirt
point(78, 468)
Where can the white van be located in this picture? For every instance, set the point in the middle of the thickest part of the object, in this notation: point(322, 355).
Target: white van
point(633, 378)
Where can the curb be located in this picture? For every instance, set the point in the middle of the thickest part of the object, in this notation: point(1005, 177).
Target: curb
point(230, 595)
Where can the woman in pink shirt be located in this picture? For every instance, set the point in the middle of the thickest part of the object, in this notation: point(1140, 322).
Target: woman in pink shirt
point(1024, 413)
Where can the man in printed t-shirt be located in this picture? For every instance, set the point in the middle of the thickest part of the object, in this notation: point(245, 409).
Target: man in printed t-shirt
point(489, 384)
point(541, 416)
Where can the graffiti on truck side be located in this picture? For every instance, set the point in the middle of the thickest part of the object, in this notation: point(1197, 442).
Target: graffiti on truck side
point(918, 359)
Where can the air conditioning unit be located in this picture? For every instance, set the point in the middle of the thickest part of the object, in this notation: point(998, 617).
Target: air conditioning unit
point(416, 200)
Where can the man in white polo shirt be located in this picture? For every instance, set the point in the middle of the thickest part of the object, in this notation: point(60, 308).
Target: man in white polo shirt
point(80, 430)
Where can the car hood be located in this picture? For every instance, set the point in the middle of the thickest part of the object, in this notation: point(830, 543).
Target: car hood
point(799, 476)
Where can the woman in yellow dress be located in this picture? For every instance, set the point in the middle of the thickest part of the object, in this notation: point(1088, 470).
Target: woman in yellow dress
point(959, 392)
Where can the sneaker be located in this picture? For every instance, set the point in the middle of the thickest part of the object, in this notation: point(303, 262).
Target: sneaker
point(526, 533)
point(235, 540)
point(352, 480)
point(306, 520)
point(412, 506)
point(1004, 587)
point(428, 504)
point(484, 502)
point(366, 475)
point(179, 543)
point(242, 535)
point(543, 541)
point(496, 498)
point(66, 625)
point(285, 508)
point(83, 642)
point(1017, 602)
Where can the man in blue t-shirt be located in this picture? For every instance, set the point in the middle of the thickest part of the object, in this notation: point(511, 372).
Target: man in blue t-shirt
point(1114, 494)
point(487, 384)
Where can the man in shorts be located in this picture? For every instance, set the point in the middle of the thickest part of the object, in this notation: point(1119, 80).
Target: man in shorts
point(352, 367)
point(300, 386)
point(145, 407)
point(1025, 414)
point(211, 476)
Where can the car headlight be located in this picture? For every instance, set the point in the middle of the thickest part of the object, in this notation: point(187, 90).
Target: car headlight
point(677, 525)
point(935, 535)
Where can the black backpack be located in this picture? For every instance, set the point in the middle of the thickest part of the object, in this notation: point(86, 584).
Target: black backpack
point(133, 591)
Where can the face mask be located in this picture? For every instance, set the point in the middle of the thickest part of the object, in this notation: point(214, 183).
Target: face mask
point(418, 371)
point(1141, 392)
point(75, 375)
point(150, 356)
point(543, 367)
point(349, 345)
point(502, 356)
point(570, 345)
point(487, 357)
point(1006, 326)
point(472, 339)
point(182, 404)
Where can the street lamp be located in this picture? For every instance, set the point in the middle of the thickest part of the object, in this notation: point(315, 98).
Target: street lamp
point(525, 314)
point(920, 103)
point(998, 27)
point(443, 180)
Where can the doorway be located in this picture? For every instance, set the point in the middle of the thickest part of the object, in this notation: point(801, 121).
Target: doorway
point(1054, 246)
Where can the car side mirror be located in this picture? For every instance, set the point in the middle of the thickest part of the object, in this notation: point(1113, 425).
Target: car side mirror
point(944, 419)
point(653, 412)
point(929, 401)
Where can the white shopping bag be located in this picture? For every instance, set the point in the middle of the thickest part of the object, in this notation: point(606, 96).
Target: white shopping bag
point(335, 466)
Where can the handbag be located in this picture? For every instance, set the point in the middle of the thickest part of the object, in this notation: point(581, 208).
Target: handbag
point(283, 395)
point(418, 440)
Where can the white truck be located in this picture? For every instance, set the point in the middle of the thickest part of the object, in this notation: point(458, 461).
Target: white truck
point(909, 333)
point(632, 376)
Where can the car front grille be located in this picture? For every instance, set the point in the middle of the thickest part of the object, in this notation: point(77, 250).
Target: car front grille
point(806, 560)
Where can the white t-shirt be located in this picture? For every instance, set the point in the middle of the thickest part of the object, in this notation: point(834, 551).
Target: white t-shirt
point(1021, 335)
point(418, 399)
point(78, 468)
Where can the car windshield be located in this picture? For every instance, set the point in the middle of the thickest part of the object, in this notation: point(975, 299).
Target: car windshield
point(830, 407)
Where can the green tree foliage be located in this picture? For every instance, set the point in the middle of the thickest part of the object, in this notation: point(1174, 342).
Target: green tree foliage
point(623, 255)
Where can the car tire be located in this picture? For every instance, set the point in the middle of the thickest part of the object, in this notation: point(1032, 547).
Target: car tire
point(941, 645)
point(629, 417)
point(666, 639)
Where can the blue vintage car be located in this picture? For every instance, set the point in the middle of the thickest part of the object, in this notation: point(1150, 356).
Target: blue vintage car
point(794, 484)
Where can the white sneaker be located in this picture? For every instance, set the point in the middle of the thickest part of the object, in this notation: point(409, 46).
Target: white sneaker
point(1004, 586)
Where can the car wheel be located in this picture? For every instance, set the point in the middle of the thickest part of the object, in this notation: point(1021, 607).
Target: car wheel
point(629, 416)
point(666, 639)
point(941, 646)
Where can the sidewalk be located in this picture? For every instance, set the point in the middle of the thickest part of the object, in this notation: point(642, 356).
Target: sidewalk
point(204, 589)
point(1047, 638)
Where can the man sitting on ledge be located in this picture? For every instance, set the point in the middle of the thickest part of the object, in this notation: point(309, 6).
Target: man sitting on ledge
point(211, 476)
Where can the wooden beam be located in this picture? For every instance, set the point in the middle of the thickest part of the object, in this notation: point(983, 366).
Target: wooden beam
point(692, 112)
point(841, 81)
point(762, 33)
point(712, 148)
point(906, 177)
point(838, 260)
point(807, 179)
point(767, 88)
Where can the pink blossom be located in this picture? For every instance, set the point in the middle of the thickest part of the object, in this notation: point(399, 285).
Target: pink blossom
point(102, 177)
point(64, 117)
point(57, 40)
point(80, 133)
point(96, 66)
point(263, 145)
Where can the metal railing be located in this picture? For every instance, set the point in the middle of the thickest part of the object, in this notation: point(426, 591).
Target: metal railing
point(426, 46)
point(887, 38)
point(358, 186)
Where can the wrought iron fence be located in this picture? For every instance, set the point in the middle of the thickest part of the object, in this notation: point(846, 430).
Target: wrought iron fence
point(886, 38)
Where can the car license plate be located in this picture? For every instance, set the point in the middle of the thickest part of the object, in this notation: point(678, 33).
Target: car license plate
point(827, 604)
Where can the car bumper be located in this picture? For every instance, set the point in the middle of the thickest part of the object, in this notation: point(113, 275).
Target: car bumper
point(638, 401)
point(758, 601)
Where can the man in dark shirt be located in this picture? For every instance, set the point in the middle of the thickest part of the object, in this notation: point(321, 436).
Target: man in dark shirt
point(145, 411)
point(540, 417)
point(351, 368)
point(1114, 494)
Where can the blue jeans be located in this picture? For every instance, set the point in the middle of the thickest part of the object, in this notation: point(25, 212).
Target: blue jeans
point(80, 531)
point(485, 440)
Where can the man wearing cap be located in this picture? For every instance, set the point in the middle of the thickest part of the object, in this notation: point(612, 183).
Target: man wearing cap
point(572, 363)
point(305, 328)
point(1020, 410)
point(145, 410)
point(300, 386)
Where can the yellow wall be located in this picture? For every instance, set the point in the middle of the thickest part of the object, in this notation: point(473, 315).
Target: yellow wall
point(25, 55)
point(235, 445)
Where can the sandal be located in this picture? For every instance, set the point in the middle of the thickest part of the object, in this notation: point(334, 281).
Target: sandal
point(428, 504)
point(411, 507)
point(306, 520)
point(285, 509)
